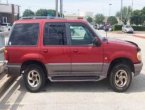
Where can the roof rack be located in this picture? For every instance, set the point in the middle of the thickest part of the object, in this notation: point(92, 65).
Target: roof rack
point(40, 17)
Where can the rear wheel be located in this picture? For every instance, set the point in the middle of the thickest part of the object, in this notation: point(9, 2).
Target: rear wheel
point(120, 77)
point(34, 78)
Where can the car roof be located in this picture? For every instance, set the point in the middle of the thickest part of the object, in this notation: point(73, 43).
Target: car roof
point(49, 20)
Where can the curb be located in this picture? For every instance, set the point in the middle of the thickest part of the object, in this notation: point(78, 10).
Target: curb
point(5, 79)
point(5, 82)
point(139, 36)
point(2, 67)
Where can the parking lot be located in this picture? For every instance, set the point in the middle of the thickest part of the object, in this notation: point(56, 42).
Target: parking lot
point(80, 95)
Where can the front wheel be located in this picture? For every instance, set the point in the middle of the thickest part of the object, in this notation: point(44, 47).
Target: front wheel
point(120, 77)
point(34, 78)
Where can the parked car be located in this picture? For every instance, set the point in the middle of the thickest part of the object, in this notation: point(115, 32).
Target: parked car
point(69, 50)
point(108, 27)
point(96, 26)
point(5, 27)
point(127, 29)
point(101, 27)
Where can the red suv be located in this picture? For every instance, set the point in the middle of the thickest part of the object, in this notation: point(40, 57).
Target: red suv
point(69, 50)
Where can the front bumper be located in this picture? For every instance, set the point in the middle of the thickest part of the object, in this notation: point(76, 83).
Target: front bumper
point(137, 68)
point(129, 31)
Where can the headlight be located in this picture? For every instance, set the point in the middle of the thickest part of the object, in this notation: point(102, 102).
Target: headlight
point(139, 56)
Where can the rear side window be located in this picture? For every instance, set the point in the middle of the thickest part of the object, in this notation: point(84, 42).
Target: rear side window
point(24, 34)
point(55, 34)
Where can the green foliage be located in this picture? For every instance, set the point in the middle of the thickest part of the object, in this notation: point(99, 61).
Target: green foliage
point(51, 12)
point(143, 12)
point(117, 27)
point(126, 14)
point(138, 17)
point(139, 28)
point(136, 28)
point(45, 12)
point(136, 13)
point(89, 19)
point(28, 12)
point(41, 12)
point(112, 20)
point(99, 18)
point(137, 20)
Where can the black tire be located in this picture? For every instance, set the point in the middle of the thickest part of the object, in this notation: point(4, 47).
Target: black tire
point(41, 77)
point(114, 79)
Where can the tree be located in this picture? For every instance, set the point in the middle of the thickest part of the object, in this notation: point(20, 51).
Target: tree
point(126, 14)
point(136, 13)
point(45, 12)
point(41, 12)
point(143, 12)
point(52, 13)
point(143, 15)
point(99, 18)
point(28, 12)
point(89, 19)
point(136, 17)
point(112, 20)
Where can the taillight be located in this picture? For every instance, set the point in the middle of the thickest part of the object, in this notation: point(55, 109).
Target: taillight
point(6, 54)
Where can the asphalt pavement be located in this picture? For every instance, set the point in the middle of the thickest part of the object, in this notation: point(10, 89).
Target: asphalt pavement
point(79, 95)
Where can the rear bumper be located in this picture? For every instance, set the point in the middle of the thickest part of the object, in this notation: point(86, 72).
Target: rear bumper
point(14, 70)
point(137, 68)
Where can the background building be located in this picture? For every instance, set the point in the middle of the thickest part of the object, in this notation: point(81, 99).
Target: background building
point(9, 13)
point(84, 14)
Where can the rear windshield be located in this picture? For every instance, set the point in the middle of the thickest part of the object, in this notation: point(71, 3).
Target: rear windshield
point(24, 34)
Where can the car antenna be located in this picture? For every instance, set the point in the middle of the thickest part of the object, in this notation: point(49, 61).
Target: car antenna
point(106, 30)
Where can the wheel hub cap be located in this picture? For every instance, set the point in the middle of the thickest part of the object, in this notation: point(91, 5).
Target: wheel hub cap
point(121, 78)
point(33, 78)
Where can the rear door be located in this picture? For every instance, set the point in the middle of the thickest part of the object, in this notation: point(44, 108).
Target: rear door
point(87, 59)
point(23, 43)
point(55, 49)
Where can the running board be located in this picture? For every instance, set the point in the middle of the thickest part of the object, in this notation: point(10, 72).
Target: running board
point(74, 78)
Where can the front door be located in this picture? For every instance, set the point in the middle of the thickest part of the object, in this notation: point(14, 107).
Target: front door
point(87, 59)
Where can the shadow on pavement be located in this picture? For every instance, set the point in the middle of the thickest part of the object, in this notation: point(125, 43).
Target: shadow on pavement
point(101, 86)
point(19, 90)
point(137, 85)
point(12, 91)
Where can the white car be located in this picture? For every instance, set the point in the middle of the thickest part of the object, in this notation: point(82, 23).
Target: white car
point(127, 29)
point(5, 27)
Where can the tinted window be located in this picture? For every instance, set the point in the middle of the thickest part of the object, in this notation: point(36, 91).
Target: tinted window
point(55, 34)
point(24, 34)
point(80, 35)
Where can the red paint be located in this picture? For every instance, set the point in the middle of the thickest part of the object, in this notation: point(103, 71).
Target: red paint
point(106, 53)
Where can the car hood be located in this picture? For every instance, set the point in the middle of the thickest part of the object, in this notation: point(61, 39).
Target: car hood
point(129, 28)
point(122, 42)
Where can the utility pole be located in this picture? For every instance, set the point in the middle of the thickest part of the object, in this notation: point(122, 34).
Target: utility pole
point(61, 8)
point(121, 10)
point(132, 4)
point(110, 9)
point(56, 7)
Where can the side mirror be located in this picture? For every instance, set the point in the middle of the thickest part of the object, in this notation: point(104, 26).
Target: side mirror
point(96, 42)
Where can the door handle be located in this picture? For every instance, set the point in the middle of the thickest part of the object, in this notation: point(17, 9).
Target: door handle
point(75, 51)
point(45, 50)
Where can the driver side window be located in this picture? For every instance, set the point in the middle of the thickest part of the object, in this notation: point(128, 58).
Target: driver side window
point(80, 35)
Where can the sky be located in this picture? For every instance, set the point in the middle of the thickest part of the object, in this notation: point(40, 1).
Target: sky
point(76, 6)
